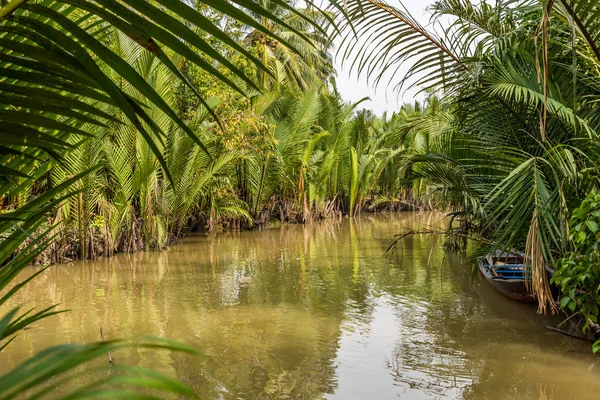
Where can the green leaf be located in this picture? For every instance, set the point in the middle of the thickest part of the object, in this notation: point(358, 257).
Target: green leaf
point(572, 306)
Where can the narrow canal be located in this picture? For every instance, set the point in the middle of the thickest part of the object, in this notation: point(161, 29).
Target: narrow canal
point(316, 311)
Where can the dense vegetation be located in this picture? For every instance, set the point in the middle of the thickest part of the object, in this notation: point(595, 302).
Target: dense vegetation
point(125, 124)
point(294, 151)
point(516, 145)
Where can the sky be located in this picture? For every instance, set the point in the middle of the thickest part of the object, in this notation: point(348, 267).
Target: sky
point(354, 88)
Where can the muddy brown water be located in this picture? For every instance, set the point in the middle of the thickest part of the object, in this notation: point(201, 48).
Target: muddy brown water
point(315, 311)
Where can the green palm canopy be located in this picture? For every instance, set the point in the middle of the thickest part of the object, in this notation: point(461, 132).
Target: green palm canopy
point(58, 66)
point(62, 78)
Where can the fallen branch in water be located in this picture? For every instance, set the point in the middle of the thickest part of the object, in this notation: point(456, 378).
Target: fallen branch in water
point(401, 236)
point(571, 335)
point(110, 359)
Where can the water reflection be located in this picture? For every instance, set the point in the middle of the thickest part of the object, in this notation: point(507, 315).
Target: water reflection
point(315, 311)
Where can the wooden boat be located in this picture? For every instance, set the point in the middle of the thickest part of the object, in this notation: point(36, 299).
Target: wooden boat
point(505, 272)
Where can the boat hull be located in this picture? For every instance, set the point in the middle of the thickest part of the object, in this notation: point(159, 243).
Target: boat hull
point(515, 289)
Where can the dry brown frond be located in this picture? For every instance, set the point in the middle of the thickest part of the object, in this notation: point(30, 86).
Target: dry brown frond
point(535, 265)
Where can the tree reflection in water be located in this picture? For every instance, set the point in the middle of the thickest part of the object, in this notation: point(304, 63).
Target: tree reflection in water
point(315, 311)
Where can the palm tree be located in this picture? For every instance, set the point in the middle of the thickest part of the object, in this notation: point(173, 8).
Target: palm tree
point(60, 74)
point(300, 56)
point(522, 125)
point(282, 172)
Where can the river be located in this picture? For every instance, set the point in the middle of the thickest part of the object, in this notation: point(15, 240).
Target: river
point(315, 311)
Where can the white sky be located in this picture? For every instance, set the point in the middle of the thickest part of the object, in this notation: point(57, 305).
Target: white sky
point(354, 88)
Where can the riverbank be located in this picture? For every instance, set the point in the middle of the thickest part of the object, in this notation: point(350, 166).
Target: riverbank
point(99, 242)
